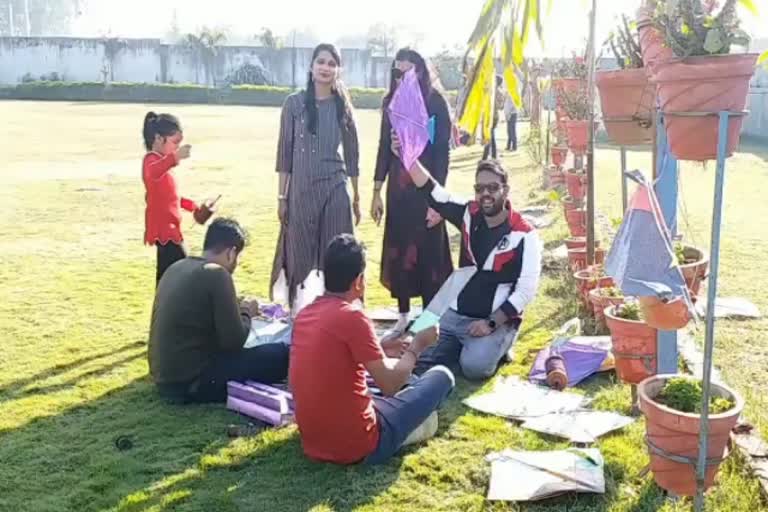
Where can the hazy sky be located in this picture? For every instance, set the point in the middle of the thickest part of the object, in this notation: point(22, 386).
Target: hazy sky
point(438, 22)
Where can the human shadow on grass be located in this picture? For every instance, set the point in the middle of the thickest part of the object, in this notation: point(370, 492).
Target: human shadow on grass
point(98, 372)
point(279, 477)
point(18, 386)
point(178, 456)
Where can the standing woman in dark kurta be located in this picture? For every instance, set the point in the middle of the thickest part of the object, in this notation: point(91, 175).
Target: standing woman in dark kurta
point(416, 258)
point(316, 153)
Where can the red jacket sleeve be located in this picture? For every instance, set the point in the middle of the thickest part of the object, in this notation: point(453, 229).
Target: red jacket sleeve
point(155, 166)
point(188, 204)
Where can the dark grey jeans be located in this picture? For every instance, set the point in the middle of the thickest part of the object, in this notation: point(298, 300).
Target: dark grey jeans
point(401, 414)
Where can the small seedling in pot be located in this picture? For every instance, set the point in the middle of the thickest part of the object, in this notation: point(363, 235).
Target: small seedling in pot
point(685, 395)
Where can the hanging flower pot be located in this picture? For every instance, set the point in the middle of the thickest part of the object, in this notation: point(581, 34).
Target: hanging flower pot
point(634, 343)
point(569, 85)
point(601, 298)
point(575, 182)
point(559, 154)
point(577, 257)
point(651, 42)
point(569, 204)
point(577, 221)
point(627, 100)
point(694, 265)
point(577, 136)
point(577, 242)
point(555, 177)
point(589, 279)
point(672, 435)
point(667, 316)
point(690, 87)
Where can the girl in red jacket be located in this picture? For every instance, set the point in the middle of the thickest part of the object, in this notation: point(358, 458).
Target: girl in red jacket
point(162, 138)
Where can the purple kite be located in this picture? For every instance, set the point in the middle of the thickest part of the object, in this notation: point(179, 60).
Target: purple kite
point(410, 120)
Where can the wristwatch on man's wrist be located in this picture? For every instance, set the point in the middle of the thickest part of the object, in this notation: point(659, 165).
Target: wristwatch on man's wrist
point(491, 324)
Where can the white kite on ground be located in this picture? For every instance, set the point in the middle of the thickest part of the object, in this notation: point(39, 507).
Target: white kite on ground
point(528, 476)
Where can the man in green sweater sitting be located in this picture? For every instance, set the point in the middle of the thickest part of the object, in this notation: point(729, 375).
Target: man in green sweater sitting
point(199, 327)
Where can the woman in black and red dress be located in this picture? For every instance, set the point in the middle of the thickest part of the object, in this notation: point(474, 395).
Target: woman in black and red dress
point(416, 257)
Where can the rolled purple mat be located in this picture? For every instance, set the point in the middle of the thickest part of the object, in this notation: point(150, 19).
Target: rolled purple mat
point(273, 391)
point(270, 400)
point(258, 412)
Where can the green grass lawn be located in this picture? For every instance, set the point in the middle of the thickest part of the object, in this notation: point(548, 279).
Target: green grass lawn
point(76, 293)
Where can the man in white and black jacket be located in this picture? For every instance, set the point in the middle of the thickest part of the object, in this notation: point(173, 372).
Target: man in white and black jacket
point(481, 325)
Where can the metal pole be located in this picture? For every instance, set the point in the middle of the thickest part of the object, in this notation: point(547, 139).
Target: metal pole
point(549, 124)
point(709, 339)
point(591, 140)
point(623, 153)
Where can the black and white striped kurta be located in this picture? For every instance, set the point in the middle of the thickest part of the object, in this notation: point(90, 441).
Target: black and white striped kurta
point(319, 206)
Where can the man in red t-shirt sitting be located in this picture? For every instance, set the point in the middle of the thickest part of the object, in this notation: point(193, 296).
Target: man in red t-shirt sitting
point(333, 344)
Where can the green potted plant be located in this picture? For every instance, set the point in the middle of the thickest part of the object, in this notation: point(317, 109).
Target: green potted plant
point(576, 106)
point(589, 278)
point(672, 408)
point(601, 298)
point(576, 184)
point(627, 98)
point(694, 264)
point(634, 342)
point(570, 76)
point(704, 77)
point(569, 79)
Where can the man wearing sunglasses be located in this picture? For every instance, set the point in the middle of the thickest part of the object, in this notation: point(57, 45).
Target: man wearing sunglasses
point(482, 324)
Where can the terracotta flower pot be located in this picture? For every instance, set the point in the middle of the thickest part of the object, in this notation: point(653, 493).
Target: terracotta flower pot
point(634, 347)
point(652, 45)
point(696, 271)
point(627, 100)
point(677, 433)
point(559, 154)
point(569, 204)
point(577, 221)
point(576, 184)
point(569, 85)
point(577, 242)
point(577, 257)
point(703, 85)
point(600, 302)
point(667, 316)
point(587, 280)
point(578, 136)
point(555, 177)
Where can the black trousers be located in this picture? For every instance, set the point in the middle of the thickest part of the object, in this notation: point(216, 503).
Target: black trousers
point(512, 132)
point(267, 364)
point(490, 148)
point(167, 255)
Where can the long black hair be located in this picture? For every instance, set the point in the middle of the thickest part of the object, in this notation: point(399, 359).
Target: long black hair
point(422, 71)
point(340, 95)
point(163, 125)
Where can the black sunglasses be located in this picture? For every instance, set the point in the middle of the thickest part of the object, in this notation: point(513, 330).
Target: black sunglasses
point(492, 188)
point(397, 73)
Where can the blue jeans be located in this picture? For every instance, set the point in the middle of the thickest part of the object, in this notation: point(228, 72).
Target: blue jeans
point(403, 413)
point(475, 358)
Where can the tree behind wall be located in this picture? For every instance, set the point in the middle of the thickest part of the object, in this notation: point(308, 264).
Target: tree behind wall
point(38, 17)
point(204, 48)
point(382, 40)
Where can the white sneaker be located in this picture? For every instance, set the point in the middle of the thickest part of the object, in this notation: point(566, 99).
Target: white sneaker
point(423, 432)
